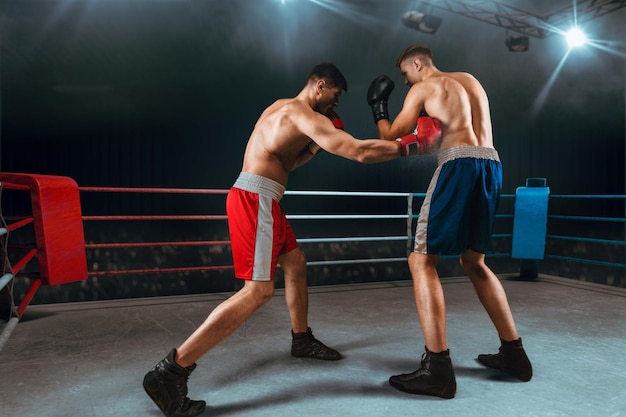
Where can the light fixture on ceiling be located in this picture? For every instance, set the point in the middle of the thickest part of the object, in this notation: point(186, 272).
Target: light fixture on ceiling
point(517, 43)
point(422, 22)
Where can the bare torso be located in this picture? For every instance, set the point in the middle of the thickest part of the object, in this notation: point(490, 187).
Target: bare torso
point(458, 100)
point(276, 143)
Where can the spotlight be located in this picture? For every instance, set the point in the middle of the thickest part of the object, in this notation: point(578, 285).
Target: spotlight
point(517, 43)
point(420, 21)
point(575, 37)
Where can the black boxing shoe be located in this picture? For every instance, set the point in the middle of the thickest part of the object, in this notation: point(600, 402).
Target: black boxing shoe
point(166, 384)
point(511, 358)
point(435, 377)
point(305, 345)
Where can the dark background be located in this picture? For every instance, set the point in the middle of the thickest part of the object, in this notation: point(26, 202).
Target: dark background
point(160, 93)
point(164, 93)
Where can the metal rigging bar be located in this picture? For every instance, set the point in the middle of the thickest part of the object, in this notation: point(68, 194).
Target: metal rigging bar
point(495, 13)
point(585, 10)
point(525, 22)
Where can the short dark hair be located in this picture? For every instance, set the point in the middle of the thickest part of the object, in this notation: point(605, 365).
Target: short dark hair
point(415, 50)
point(330, 72)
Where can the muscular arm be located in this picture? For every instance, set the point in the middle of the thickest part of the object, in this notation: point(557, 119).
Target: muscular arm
point(306, 154)
point(340, 143)
point(406, 120)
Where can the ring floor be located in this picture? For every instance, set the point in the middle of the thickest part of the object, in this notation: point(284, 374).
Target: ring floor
point(88, 359)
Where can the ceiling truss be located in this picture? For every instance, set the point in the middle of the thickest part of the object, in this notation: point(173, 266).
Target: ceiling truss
point(522, 21)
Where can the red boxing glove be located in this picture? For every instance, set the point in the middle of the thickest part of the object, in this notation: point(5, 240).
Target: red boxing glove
point(428, 133)
point(408, 144)
point(424, 139)
point(334, 117)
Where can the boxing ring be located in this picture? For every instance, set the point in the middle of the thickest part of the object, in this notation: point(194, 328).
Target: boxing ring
point(59, 245)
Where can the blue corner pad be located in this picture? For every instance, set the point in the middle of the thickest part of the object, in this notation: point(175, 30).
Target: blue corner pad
point(530, 221)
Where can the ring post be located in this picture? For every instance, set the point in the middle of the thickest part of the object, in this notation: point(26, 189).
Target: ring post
point(530, 221)
point(58, 228)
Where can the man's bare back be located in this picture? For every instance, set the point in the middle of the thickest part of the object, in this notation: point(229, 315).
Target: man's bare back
point(456, 99)
point(464, 103)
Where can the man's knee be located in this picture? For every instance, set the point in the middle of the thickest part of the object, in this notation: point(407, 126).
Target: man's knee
point(299, 258)
point(418, 257)
point(471, 259)
point(293, 263)
point(261, 291)
point(474, 265)
point(421, 264)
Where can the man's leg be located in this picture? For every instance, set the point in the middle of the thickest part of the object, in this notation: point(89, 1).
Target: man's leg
point(436, 375)
point(429, 299)
point(490, 293)
point(511, 357)
point(293, 264)
point(304, 344)
point(224, 320)
point(166, 383)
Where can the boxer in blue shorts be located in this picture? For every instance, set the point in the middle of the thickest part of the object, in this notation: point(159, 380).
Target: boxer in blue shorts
point(448, 113)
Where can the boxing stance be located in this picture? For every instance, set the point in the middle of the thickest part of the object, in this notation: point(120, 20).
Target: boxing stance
point(287, 135)
point(456, 218)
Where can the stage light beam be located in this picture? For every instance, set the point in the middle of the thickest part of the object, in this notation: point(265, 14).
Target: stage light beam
point(575, 37)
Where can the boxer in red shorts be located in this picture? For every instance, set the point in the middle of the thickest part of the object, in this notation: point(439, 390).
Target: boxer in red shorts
point(259, 230)
point(451, 111)
point(288, 134)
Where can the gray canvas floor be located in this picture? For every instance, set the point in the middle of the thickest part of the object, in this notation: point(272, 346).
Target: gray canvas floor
point(88, 359)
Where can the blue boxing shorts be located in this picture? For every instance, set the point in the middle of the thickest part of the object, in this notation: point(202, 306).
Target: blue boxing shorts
point(461, 202)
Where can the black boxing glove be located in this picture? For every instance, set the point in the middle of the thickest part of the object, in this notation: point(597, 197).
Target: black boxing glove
point(377, 95)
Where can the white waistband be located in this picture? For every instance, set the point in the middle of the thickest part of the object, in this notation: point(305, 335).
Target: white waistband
point(260, 185)
point(477, 152)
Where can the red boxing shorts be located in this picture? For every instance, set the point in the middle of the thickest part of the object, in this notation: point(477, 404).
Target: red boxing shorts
point(259, 230)
point(461, 202)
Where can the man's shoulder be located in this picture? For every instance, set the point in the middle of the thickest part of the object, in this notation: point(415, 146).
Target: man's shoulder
point(455, 74)
point(462, 77)
point(291, 105)
point(279, 103)
point(438, 83)
point(285, 106)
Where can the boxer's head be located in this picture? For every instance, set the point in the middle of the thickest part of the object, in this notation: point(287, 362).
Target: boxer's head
point(327, 82)
point(329, 72)
point(413, 60)
point(416, 51)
